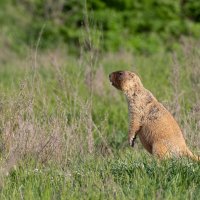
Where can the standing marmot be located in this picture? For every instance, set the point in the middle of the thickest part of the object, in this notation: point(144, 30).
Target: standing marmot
point(156, 127)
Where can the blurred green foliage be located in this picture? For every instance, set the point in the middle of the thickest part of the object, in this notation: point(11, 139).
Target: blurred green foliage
point(140, 25)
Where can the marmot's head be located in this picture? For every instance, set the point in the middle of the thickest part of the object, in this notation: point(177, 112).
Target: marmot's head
point(126, 81)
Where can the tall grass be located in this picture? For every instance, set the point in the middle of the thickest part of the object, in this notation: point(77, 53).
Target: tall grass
point(64, 128)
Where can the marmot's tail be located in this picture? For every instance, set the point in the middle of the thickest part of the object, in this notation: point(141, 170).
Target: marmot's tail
point(192, 156)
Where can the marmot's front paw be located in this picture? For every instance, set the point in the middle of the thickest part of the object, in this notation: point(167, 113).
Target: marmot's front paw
point(132, 141)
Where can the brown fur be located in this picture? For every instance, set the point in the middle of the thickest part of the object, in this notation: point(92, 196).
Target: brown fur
point(150, 120)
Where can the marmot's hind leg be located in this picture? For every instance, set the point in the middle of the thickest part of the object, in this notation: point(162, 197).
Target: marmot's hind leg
point(189, 154)
point(160, 150)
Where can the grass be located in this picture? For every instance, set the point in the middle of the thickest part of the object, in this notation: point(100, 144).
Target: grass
point(91, 177)
point(63, 127)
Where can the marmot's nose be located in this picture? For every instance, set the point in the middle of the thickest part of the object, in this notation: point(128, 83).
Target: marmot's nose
point(110, 75)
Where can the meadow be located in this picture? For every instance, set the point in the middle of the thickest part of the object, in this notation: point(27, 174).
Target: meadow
point(63, 127)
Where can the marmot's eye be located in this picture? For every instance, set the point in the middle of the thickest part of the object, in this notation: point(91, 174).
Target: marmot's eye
point(120, 75)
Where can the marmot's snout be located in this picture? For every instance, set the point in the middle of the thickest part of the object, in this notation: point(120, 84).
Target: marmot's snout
point(116, 76)
point(115, 79)
point(110, 77)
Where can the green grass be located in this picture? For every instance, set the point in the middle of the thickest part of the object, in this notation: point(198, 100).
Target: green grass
point(124, 176)
point(47, 116)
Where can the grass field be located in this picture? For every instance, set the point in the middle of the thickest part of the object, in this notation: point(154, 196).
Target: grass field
point(64, 127)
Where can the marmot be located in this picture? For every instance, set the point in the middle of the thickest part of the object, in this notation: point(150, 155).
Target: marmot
point(150, 120)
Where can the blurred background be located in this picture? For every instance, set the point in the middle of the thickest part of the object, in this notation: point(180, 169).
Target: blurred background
point(142, 26)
